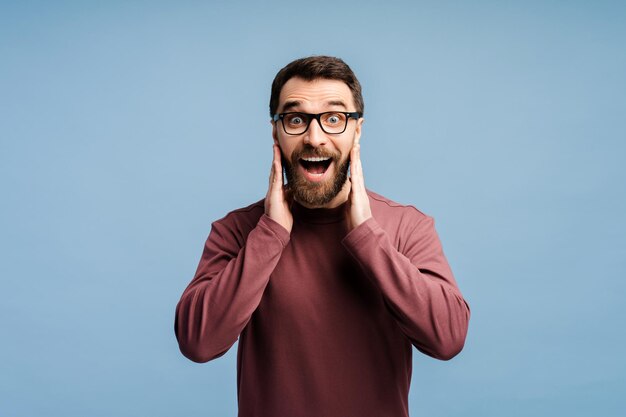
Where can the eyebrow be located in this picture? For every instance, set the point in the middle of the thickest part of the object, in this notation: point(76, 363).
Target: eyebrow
point(337, 103)
point(289, 105)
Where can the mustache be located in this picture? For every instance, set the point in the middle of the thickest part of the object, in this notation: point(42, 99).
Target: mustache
point(310, 151)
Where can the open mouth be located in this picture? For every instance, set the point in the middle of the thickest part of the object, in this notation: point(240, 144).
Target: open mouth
point(315, 165)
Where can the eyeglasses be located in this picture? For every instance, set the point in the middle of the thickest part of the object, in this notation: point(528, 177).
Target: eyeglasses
point(332, 122)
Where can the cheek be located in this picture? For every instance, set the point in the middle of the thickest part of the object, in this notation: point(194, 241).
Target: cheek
point(286, 149)
point(346, 146)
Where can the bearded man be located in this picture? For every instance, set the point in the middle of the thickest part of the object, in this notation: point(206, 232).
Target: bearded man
point(326, 284)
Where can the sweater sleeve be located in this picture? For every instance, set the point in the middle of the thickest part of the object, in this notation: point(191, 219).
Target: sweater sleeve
point(416, 283)
point(227, 287)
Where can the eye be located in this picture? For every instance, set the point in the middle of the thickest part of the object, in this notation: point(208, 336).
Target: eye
point(333, 118)
point(295, 119)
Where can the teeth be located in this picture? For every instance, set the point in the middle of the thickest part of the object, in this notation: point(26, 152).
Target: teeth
point(315, 159)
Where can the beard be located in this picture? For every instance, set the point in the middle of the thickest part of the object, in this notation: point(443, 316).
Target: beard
point(315, 194)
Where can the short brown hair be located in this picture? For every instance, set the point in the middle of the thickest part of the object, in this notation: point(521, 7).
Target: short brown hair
point(312, 68)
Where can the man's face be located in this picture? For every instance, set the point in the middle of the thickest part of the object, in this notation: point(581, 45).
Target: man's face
point(313, 182)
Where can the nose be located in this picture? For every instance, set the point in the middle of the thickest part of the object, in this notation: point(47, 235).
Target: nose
point(314, 135)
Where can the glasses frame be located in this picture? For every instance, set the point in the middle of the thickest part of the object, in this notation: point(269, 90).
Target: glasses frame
point(349, 115)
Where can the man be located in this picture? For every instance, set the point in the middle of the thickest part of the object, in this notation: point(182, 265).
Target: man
point(327, 285)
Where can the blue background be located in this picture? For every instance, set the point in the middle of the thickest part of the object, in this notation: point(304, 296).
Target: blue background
point(128, 127)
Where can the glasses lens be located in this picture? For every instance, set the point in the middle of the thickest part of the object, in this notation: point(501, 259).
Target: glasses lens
point(333, 122)
point(295, 123)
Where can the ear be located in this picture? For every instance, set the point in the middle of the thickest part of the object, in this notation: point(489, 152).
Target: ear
point(357, 130)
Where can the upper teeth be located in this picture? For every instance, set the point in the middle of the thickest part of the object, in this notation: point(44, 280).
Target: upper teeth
point(315, 159)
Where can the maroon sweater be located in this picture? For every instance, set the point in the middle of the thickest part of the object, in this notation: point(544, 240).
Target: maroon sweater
point(325, 318)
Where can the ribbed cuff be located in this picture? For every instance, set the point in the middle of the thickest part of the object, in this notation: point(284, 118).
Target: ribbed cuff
point(362, 231)
point(276, 228)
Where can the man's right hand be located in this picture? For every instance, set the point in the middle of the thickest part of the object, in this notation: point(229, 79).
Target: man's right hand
point(278, 198)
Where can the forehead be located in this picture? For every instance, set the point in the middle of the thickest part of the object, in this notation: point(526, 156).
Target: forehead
point(315, 94)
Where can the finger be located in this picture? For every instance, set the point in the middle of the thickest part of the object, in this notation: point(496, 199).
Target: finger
point(276, 174)
point(358, 170)
point(361, 169)
point(353, 159)
point(351, 185)
point(276, 154)
point(277, 182)
point(271, 178)
point(277, 167)
point(354, 168)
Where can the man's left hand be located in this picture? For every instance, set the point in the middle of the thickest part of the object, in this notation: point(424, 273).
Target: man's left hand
point(358, 202)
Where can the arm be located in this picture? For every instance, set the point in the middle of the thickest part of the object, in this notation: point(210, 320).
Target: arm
point(417, 284)
point(232, 275)
point(227, 288)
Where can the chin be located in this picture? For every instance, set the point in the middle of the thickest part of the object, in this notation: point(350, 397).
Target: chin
point(316, 194)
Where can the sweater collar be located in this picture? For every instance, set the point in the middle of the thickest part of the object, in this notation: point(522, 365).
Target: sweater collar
point(318, 215)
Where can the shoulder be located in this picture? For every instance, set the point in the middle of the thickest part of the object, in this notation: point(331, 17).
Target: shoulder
point(242, 220)
point(404, 223)
point(243, 212)
point(384, 209)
